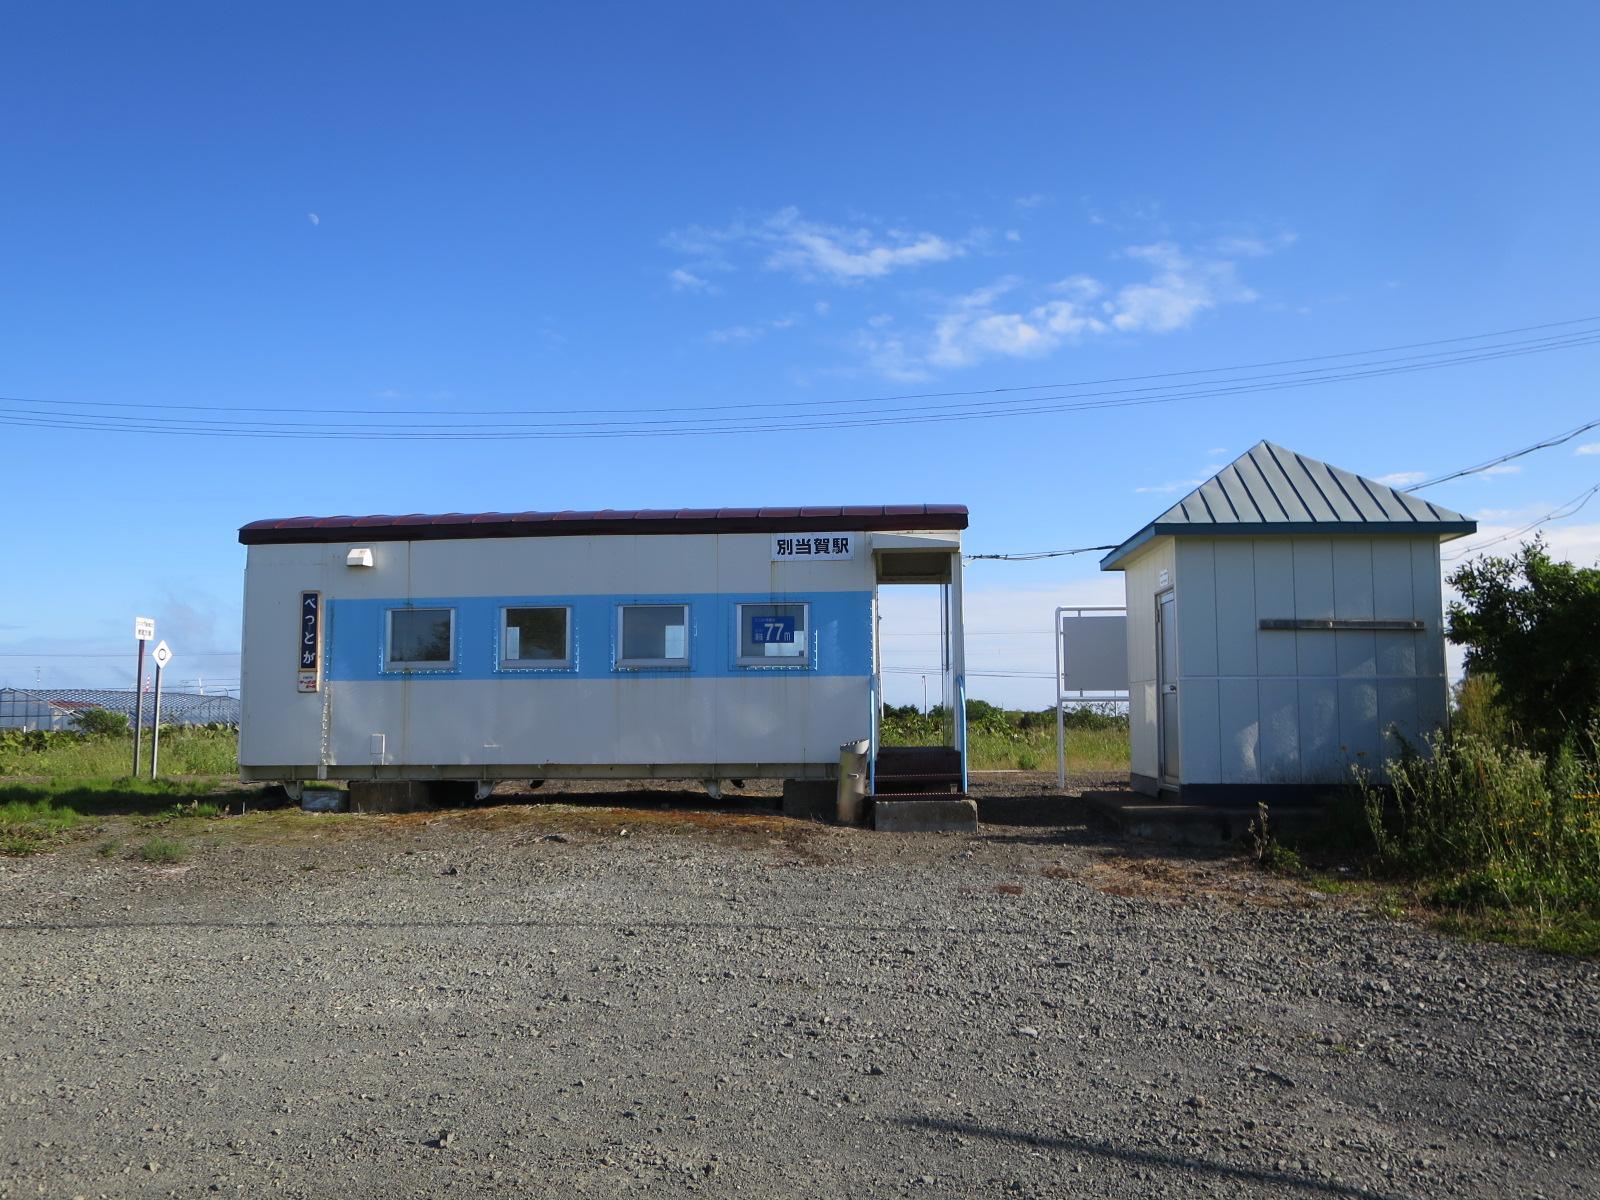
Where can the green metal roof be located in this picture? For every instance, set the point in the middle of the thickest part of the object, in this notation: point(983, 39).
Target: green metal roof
point(1269, 489)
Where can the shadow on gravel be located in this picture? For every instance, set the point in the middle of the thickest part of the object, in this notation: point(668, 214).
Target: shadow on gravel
point(1146, 1158)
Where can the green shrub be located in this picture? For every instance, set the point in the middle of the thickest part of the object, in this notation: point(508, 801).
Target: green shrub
point(1493, 824)
point(163, 850)
point(102, 722)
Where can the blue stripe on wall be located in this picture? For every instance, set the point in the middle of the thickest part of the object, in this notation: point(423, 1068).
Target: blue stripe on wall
point(840, 636)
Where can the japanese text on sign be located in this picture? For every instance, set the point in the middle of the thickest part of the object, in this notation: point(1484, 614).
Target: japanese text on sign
point(813, 547)
point(772, 631)
point(310, 649)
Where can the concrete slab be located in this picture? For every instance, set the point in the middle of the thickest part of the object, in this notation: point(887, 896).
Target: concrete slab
point(1197, 824)
point(955, 815)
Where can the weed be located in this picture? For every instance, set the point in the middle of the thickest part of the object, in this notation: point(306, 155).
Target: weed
point(1271, 854)
point(109, 848)
point(163, 850)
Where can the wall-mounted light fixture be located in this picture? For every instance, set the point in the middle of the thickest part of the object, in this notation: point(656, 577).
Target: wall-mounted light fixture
point(360, 557)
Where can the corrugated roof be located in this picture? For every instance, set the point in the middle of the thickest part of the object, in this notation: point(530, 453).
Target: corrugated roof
point(1271, 489)
point(424, 527)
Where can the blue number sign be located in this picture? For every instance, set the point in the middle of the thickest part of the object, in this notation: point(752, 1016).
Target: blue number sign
point(769, 630)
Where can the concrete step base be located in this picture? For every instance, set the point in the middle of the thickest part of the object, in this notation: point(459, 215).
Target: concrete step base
point(945, 814)
point(390, 796)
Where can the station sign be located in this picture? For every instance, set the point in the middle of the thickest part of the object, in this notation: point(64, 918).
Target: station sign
point(144, 629)
point(813, 547)
point(309, 651)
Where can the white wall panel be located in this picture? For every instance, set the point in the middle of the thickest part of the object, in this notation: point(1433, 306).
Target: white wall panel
point(1280, 730)
point(1313, 599)
point(1239, 725)
point(1273, 561)
point(1199, 745)
point(1197, 607)
point(1235, 583)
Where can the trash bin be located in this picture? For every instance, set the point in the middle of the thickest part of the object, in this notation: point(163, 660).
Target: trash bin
point(853, 774)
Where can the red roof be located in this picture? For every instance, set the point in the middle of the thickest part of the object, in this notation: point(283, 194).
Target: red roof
point(426, 527)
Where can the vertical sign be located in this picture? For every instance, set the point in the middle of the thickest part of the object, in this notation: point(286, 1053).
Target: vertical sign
point(144, 630)
point(310, 648)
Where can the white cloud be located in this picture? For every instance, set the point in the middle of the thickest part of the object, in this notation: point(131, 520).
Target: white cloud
point(1400, 479)
point(314, 219)
point(1588, 448)
point(1176, 485)
point(977, 326)
point(813, 251)
point(1032, 200)
point(1013, 235)
point(751, 333)
point(1251, 246)
point(1504, 469)
point(688, 281)
point(1217, 451)
point(822, 307)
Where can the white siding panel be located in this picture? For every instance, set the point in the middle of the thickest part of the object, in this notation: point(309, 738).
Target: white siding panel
point(1236, 606)
point(1359, 734)
point(1274, 584)
point(1280, 731)
point(1239, 725)
point(1320, 758)
point(1197, 608)
point(1354, 650)
point(1198, 731)
point(1313, 598)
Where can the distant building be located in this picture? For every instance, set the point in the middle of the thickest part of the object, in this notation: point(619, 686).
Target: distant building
point(54, 708)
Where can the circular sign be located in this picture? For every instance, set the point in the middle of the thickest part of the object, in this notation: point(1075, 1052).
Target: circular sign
point(162, 654)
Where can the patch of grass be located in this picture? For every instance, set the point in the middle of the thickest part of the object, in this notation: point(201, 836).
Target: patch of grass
point(185, 750)
point(1008, 740)
point(109, 848)
point(163, 850)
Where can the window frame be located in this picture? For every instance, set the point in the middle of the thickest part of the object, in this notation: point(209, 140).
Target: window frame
point(624, 663)
point(565, 663)
point(392, 665)
point(795, 662)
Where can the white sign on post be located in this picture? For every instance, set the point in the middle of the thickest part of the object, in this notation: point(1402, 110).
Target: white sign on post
point(813, 547)
point(162, 654)
point(144, 628)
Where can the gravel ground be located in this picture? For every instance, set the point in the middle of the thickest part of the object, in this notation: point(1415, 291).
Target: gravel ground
point(564, 999)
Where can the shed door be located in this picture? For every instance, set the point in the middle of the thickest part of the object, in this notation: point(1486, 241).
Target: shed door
point(1167, 686)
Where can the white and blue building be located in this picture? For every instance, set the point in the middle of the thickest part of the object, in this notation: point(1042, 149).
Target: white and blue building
point(685, 644)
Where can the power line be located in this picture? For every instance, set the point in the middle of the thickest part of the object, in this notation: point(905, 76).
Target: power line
point(965, 410)
point(1557, 440)
point(1033, 387)
point(1570, 509)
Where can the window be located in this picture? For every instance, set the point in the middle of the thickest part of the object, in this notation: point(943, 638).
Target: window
point(654, 635)
point(421, 637)
point(534, 637)
point(773, 635)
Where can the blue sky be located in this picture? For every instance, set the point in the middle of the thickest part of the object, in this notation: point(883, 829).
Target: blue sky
point(407, 209)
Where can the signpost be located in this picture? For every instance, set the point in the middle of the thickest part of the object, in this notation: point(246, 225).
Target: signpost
point(310, 650)
point(144, 628)
point(162, 655)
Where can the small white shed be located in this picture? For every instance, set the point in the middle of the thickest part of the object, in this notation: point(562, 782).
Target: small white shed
point(1284, 623)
